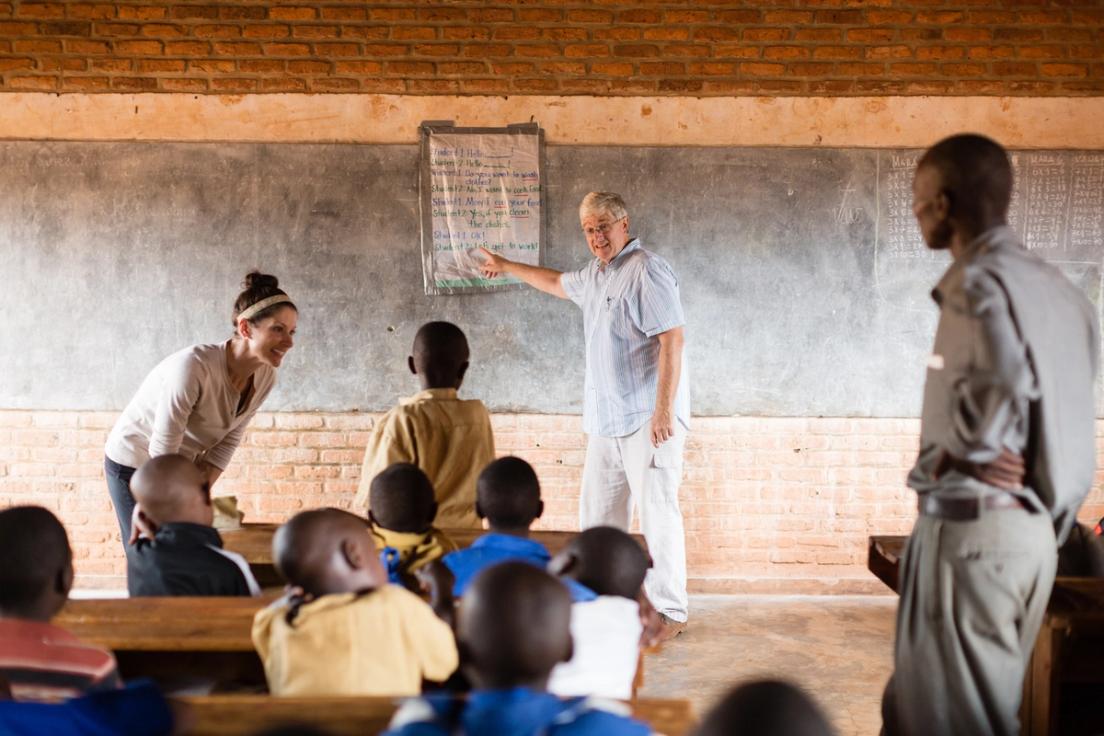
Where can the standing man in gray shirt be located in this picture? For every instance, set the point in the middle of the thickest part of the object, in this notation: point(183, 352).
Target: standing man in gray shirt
point(636, 406)
point(1006, 454)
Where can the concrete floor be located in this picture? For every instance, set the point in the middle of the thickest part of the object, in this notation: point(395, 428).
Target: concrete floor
point(839, 649)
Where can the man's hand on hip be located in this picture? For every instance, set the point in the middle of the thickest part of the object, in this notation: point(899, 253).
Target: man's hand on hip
point(663, 426)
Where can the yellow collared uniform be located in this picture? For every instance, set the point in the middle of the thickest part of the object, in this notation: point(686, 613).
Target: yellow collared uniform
point(449, 438)
point(415, 549)
point(384, 642)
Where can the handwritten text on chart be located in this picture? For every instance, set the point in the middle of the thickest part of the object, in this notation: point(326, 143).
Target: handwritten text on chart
point(484, 192)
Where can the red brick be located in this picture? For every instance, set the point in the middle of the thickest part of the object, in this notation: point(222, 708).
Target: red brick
point(940, 53)
point(262, 66)
point(283, 85)
point(888, 52)
point(195, 12)
point(612, 69)
point(134, 84)
point(163, 30)
point(6, 65)
point(232, 85)
point(217, 66)
point(366, 32)
point(439, 14)
point(139, 48)
point(41, 10)
point(312, 31)
point(780, 53)
point(870, 35)
point(187, 48)
point(849, 17)
point(292, 12)
point(286, 49)
point(589, 16)
point(160, 65)
point(762, 69)
point(337, 49)
point(90, 10)
point(544, 50)
point(465, 33)
point(880, 17)
point(112, 65)
point(666, 33)
point(636, 51)
point(183, 85)
point(43, 47)
point(765, 34)
point(539, 15)
point(87, 84)
point(142, 12)
point(1064, 70)
point(989, 52)
point(217, 31)
point(828, 35)
point(344, 13)
point(414, 33)
point(837, 52)
point(638, 15)
point(266, 31)
point(584, 50)
point(241, 12)
point(788, 17)
point(416, 68)
point(432, 86)
point(437, 49)
point(308, 67)
point(613, 33)
point(966, 33)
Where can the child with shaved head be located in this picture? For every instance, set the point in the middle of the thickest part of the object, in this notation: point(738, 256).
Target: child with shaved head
point(607, 628)
point(450, 439)
point(514, 626)
point(346, 631)
point(508, 497)
point(402, 512)
point(185, 556)
point(39, 661)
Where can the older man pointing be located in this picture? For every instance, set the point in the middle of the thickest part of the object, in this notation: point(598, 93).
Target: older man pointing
point(636, 409)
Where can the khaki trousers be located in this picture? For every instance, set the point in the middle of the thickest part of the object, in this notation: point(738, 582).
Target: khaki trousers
point(973, 595)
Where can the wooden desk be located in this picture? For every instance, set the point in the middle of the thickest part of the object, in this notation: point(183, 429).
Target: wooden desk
point(883, 558)
point(1065, 677)
point(237, 715)
point(173, 639)
point(254, 542)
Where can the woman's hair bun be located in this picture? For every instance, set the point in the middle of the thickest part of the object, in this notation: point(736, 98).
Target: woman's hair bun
point(257, 280)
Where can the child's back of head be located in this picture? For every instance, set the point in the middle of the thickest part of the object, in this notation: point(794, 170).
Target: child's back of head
point(765, 708)
point(327, 551)
point(171, 489)
point(514, 624)
point(606, 560)
point(37, 569)
point(508, 495)
point(440, 355)
point(401, 499)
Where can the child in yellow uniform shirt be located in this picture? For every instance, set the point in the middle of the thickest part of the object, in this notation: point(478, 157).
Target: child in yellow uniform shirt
point(348, 632)
point(402, 514)
point(449, 438)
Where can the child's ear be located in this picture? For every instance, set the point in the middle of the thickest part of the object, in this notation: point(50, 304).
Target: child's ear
point(350, 550)
point(245, 328)
point(64, 581)
point(570, 650)
point(410, 364)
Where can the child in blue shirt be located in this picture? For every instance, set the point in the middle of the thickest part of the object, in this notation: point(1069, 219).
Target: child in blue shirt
point(508, 497)
point(514, 626)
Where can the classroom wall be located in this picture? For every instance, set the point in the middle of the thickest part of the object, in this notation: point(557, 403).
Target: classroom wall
point(554, 47)
point(772, 504)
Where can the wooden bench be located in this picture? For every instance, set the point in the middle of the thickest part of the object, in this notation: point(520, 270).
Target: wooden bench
point(237, 715)
point(254, 543)
point(1065, 677)
point(173, 640)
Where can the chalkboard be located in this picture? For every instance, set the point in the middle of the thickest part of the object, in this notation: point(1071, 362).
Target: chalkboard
point(803, 277)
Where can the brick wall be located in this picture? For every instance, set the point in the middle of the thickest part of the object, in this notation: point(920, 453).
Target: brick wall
point(614, 47)
point(771, 505)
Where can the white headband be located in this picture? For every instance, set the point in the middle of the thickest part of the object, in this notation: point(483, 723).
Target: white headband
point(263, 304)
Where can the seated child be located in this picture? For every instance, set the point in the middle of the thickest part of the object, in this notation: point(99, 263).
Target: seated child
point(185, 555)
point(448, 438)
point(508, 497)
point(514, 626)
point(765, 708)
point(402, 513)
point(40, 661)
point(606, 629)
point(349, 632)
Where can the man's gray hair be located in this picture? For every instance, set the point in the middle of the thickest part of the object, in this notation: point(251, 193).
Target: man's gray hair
point(603, 203)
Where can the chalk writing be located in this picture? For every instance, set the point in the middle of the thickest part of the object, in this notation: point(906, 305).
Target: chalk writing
point(1057, 205)
point(484, 191)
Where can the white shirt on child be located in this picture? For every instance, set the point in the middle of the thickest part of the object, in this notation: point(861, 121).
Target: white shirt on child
point(606, 634)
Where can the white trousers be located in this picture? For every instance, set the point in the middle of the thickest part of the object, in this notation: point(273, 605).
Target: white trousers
point(620, 472)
